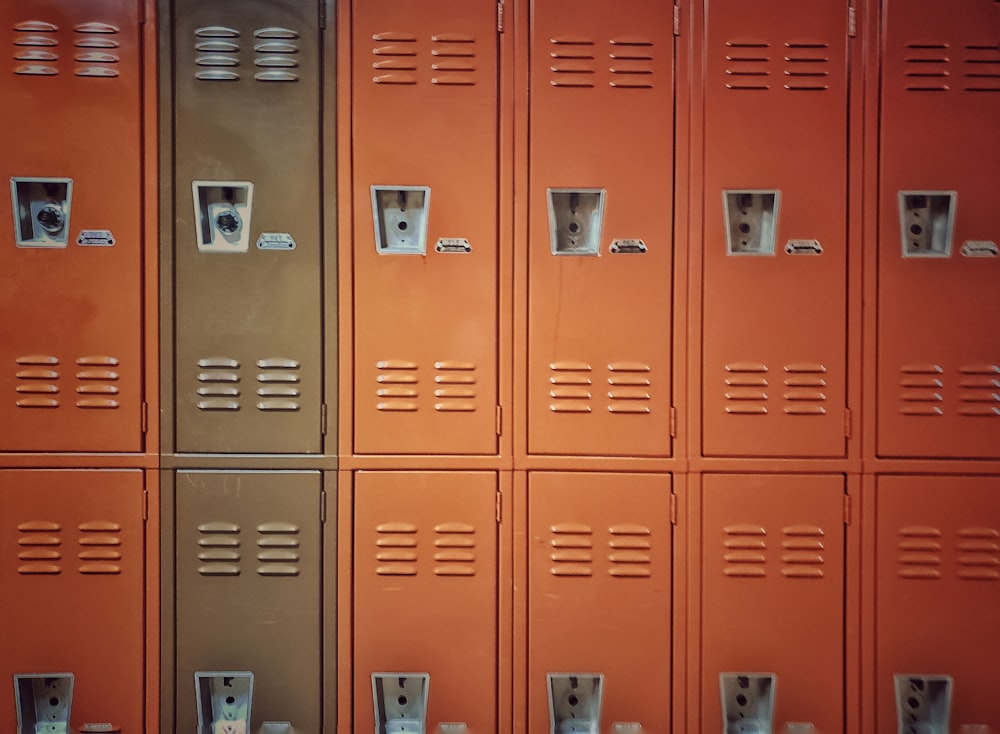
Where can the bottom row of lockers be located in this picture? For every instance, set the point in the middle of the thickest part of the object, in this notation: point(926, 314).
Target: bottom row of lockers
point(587, 562)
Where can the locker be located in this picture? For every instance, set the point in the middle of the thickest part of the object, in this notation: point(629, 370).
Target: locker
point(936, 596)
point(425, 251)
point(248, 552)
point(71, 246)
point(72, 575)
point(599, 577)
point(775, 230)
point(773, 600)
point(425, 597)
point(246, 243)
point(938, 351)
point(600, 247)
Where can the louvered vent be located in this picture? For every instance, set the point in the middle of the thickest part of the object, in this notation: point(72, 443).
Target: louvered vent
point(744, 551)
point(981, 68)
point(97, 50)
point(748, 65)
point(571, 384)
point(278, 549)
point(922, 389)
point(630, 388)
point(37, 381)
point(278, 380)
point(455, 549)
point(217, 54)
point(100, 548)
point(395, 59)
point(804, 389)
point(275, 52)
point(96, 377)
point(571, 545)
point(453, 59)
point(746, 388)
point(630, 551)
point(631, 63)
point(396, 549)
point(36, 48)
point(802, 556)
point(38, 545)
point(572, 62)
point(980, 390)
point(926, 66)
point(807, 65)
point(219, 549)
point(219, 384)
point(979, 550)
point(397, 385)
point(455, 386)
point(919, 553)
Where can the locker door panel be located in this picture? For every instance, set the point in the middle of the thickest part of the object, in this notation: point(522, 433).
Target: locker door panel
point(72, 574)
point(248, 585)
point(70, 241)
point(599, 591)
point(773, 593)
point(599, 310)
point(425, 591)
point(775, 264)
point(425, 323)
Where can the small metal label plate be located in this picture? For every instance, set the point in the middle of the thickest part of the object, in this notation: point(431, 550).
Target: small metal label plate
point(628, 247)
point(456, 245)
point(275, 241)
point(803, 247)
point(979, 248)
point(95, 238)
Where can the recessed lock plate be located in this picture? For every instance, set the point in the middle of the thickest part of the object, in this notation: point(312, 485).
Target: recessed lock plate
point(575, 220)
point(751, 220)
point(923, 703)
point(927, 220)
point(44, 702)
point(400, 214)
point(400, 701)
point(575, 702)
point(41, 211)
point(224, 700)
point(222, 215)
point(747, 702)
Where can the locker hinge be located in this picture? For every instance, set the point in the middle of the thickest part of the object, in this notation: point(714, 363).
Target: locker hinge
point(677, 20)
point(144, 416)
point(322, 507)
point(847, 509)
point(673, 509)
point(145, 505)
point(322, 419)
point(852, 22)
point(673, 422)
point(499, 420)
point(499, 506)
point(848, 423)
point(499, 16)
point(322, 15)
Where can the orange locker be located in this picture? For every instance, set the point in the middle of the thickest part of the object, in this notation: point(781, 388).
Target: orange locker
point(938, 346)
point(599, 617)
point(937, 595)
point(72, 575)
point(71, 254)
point(772, 602)
point(425, 594)
point(425, 252)
point(600, 246)
point(775, 228)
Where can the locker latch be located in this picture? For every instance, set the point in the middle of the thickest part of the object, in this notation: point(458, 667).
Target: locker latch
point(400, 214)
point(575, 220)
point(926, 222)
point(222, 215)
point(748, 702)
point(923, 703)
point(224, 699)
point(400, 701)
point(751, 221)
point(41, 211)
point(43, 702)
point(575, 702)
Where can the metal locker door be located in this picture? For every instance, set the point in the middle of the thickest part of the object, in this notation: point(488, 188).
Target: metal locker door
point(248, 583)
point(938, 591)
point(775, 236)
point(773, 594)
point(425, 591)
point(425, 226)
point(600, 246)
point(247, 246)
point(938, 338)
point(72, 575)
point(599, 580)
point(71, 232)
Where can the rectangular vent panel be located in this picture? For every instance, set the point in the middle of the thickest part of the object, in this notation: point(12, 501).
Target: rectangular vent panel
point(571, 547)
point(217, 54)
point(278, 549)
point(35, 51)
point(37, 381)
point(97, 64)
point(396, 549)
point(100, 548)
point(455, 549)
point(39, 543)
point(219, 549)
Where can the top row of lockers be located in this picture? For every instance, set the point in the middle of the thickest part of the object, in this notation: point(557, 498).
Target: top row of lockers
point(535, 228)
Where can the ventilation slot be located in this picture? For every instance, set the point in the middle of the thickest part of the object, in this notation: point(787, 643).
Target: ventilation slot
point(100, 548)
point(980, 395)
point(219, 549)
point(744, 551)
point(747, 65)
point(455, 387)
point(571, 546)
point(630, 551)
point(396, 59)
point(926, 67)
point(396, 549)
point(570, 387)
point(37, 381)
point(219, 379)
point(397, 385)
point(275, 50)
point(746, 384)
point(981, 70)
point(807, 66)
point(278, 549)
point(35, 52)
point(97, 377)
point(629, 391)
point(102, 63)
point(217, 54)
point(454, 60)
point(804, 389)
point(572, 62)
point(802, 557)
point(631, 63)
point(922, 386)
point(919, 553)
point(38, 548)
point(279, 379)
point(454, 549)
point(979, 558)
